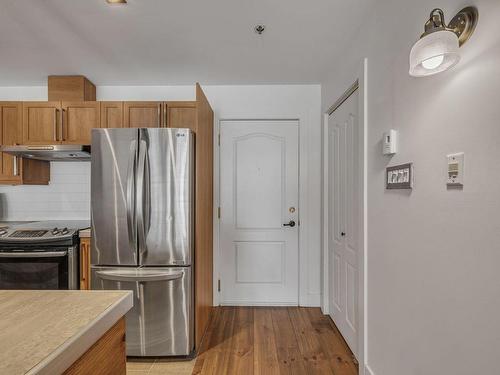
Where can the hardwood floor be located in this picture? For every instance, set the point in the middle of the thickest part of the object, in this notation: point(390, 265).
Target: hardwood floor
point(278, 340)
point(262, 341)
point(159, 367)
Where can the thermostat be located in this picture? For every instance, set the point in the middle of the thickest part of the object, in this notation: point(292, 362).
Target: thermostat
point(390, 142)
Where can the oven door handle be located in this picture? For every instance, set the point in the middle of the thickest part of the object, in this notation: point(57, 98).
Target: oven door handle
point(33, 254)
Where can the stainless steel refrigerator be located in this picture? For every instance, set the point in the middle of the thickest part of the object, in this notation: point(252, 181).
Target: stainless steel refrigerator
point(142, 232)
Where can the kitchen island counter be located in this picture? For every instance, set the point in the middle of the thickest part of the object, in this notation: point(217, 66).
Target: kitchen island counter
point(52, 332)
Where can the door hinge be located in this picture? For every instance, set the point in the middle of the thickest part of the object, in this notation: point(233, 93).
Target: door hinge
point(218, 139)
point(218, 212)
point(218, 285)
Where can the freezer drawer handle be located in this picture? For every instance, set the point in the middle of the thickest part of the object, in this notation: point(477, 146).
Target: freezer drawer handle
point(34, 254)
point(150, 276)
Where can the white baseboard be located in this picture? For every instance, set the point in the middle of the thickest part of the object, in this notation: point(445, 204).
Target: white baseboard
point(368, 370)
point(313, 300)
point(258, 303)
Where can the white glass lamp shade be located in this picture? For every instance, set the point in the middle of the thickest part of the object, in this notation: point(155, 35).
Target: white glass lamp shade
point(434, 53)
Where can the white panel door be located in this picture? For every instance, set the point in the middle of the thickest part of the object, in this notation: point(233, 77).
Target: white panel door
point(258, 196)
point(343, 214)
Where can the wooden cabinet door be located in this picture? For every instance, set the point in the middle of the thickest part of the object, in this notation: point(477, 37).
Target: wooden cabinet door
point(84, 263)
point(142, 114)
point(15, 170)
point(78, 120)
point(11, 132)
point(181, 115)
point(112, 115)
point(41, 122)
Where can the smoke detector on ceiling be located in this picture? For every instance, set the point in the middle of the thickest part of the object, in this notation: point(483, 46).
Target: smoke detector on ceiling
point(259, 29)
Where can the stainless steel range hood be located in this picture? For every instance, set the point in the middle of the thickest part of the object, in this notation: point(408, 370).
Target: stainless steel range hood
point(50, 152)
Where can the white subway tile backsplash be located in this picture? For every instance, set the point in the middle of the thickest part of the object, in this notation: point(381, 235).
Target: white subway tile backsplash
point(66, 197)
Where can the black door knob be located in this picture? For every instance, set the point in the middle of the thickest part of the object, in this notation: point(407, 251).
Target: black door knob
point(291, 223)
point(342, 234)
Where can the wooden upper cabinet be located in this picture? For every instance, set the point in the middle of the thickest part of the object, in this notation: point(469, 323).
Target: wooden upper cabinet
point(78, 120)
point(142, 114)
point(70, 88)
point(11, 115)
point(41, 121)
point(15, 170)
point(181, 115)
point(111, 114)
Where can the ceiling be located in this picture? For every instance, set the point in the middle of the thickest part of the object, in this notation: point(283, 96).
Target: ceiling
point(168, 42)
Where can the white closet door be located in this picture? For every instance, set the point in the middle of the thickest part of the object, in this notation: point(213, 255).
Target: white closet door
point(343, 218)
point(259, 194)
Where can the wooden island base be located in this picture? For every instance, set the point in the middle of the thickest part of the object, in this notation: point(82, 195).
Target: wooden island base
point(107, 356)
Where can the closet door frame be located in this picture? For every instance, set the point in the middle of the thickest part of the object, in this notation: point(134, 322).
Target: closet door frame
point(359, 78)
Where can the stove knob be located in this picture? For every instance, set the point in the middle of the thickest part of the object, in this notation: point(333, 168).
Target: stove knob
point(3, 232)
point(65, 231)
point(55, 231)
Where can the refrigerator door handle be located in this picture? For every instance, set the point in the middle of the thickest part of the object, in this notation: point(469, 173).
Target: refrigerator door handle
point(147, 213)
point(139, 276)
point(141, 225)
point(131, 195)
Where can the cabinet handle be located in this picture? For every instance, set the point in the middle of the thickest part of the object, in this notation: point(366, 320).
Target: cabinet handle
point(159, 115)
point(165, 115)
point(55, 124)
point(14, 160)
point(62, 124)
point(86, 271)
point(85, 265)
point(83, 251)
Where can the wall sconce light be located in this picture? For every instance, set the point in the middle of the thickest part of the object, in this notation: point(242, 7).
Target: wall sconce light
point(437, 48)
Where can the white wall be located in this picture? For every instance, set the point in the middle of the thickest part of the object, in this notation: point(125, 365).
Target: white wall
point(433, 253)
point(66, 197)
point(302, 102)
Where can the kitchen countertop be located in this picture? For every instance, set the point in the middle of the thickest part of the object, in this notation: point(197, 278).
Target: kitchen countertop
point(85, 233)
point(44, 332)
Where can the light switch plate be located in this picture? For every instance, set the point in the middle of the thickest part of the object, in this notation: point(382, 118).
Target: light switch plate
point(455, 169)
point(399, 176)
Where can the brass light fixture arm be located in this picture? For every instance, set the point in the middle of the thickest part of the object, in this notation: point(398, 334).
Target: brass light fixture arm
point(433, 20)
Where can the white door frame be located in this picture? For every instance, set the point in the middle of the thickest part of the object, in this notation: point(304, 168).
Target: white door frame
point(361, 85)
point(302, 204)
